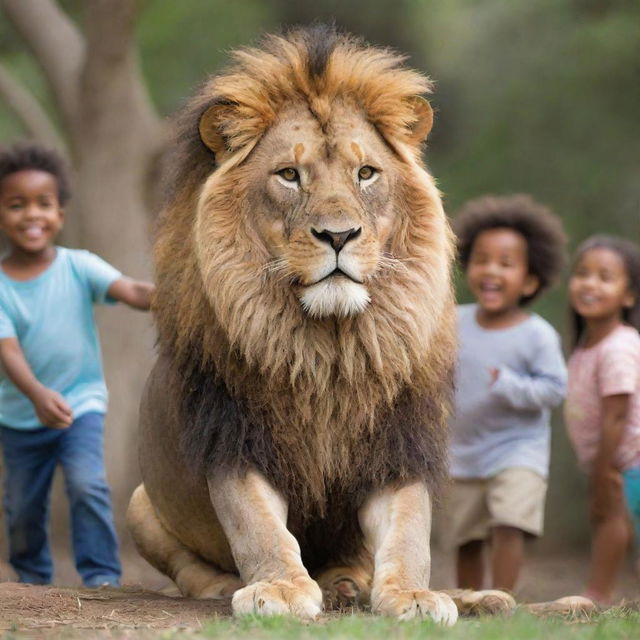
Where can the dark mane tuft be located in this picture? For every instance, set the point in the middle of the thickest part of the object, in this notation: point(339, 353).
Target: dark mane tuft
point(320, 41)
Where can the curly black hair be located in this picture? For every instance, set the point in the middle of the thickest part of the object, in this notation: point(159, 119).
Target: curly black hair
point(541, 229)
point(629, 253)
point(23, 156)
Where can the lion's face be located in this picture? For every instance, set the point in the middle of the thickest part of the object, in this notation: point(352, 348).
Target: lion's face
point(321, 205)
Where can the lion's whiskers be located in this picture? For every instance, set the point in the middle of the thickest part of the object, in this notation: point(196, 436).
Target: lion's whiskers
point(388, 262)
point(276, 264)
point(278, 268)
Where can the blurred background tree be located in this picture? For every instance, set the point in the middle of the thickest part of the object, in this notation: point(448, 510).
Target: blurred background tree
point(540, 97)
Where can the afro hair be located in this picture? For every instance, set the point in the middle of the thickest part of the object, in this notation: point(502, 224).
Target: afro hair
point(540, 228)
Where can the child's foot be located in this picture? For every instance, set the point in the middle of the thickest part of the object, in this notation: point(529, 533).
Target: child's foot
point(102, 581)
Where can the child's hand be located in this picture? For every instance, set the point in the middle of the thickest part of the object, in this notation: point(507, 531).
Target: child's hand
point(52, 409)
point(606, 494)
point(493, 375)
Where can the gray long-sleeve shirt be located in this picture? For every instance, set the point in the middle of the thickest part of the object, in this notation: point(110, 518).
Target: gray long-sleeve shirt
point(505, 424)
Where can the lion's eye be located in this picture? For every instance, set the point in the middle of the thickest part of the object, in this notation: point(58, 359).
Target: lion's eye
point(366, 173)
point(289, 174)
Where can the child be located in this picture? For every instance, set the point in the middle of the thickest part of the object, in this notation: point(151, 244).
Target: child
point(52, 392)
point(510, 374)
point(603, 403)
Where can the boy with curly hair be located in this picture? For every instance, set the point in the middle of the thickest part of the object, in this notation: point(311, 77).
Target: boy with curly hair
point(510, 374)
point(52, 391)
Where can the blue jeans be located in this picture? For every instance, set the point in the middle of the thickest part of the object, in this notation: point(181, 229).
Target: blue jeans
point(30, 459)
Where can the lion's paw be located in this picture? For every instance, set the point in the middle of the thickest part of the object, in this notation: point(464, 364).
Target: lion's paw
point(489, 601)
point(300, 597)
point(407, 604)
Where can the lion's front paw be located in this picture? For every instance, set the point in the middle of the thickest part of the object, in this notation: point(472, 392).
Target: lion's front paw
point(406, 604)
point(489, 601)
point(300, 597)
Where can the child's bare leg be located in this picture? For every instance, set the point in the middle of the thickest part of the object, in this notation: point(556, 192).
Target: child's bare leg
point(507, 556)
point(471, 565)
point(611, 536)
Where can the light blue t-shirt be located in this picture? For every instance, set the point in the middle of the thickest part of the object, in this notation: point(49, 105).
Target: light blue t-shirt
point(505, 424)
point(52, 317)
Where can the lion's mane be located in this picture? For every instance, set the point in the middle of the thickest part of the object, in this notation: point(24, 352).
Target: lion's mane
point(330, 407)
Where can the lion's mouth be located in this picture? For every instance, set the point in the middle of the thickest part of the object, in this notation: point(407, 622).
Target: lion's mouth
point(336, 273)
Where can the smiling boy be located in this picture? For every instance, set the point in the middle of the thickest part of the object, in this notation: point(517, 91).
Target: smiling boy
point(510, 374)
point(52, 392)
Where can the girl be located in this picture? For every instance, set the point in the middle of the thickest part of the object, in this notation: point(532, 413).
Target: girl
point(603, 401)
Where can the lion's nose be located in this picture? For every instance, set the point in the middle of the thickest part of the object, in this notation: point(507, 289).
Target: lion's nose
point(337, 239)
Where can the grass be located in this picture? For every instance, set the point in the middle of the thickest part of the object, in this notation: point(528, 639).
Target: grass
point(615, 624)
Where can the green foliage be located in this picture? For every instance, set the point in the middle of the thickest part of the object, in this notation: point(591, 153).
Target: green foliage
point(182, 43)
point(542, 98)
point(22, 67)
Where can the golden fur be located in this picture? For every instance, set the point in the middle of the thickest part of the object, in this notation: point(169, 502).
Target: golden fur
point(293, 429)
point(224, 307)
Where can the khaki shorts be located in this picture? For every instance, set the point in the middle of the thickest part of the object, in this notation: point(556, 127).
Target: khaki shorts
point(514, 497)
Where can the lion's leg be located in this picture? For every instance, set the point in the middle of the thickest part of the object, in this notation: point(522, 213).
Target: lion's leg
point(254, 516)
point(396, 524)
point(347, 585)
point(194, 577)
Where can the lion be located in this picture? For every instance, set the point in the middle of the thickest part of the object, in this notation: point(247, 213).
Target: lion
point(293, 430)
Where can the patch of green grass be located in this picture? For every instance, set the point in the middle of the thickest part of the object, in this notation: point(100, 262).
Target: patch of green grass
point(616, 624)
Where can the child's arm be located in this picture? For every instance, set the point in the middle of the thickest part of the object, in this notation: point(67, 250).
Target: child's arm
point(606, 483)
point(543, 388)
point(135, 293)
point(50, 407)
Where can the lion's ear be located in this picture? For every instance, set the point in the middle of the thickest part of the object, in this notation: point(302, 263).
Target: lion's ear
point(423, 120)
point(211, 126)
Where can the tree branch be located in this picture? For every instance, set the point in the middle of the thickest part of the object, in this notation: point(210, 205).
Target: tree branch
point(56, 44)
point(28, 111)
point(110, 71)
point(109, 28)
point(111, 79)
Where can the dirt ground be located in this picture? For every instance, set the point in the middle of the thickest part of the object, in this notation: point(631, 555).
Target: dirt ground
point(148, 601)
point(35, 608)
